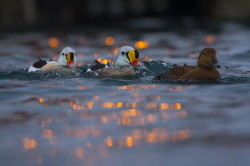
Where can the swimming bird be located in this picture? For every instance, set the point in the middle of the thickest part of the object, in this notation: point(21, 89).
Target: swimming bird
point(65, 63)
point(205, 69)
point(127, 57)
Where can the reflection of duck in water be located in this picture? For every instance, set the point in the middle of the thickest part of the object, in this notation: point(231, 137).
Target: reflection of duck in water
point(206, 68)
point(65, 63)
point(127, 57)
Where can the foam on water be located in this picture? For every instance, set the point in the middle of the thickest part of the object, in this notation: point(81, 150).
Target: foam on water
point(149, 69)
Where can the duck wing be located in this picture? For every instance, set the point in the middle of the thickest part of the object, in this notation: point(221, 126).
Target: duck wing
point(95, 67)
point(37, 65)
point(200, 73)
point(175, 72)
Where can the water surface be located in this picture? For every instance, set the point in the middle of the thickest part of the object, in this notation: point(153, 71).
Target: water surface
point(64, 119)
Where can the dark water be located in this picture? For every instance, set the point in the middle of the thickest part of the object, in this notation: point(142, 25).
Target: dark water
point(63, 119)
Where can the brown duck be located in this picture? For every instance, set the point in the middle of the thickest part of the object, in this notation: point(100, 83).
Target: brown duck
point(206, 68)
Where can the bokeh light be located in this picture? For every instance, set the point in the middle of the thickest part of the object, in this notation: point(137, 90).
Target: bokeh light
point(141, 44)
point(53, 42)
point(109, 41)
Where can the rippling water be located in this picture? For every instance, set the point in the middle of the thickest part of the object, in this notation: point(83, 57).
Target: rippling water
point(63, 119)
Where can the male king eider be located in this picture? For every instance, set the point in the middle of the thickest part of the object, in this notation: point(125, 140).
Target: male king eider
point(65, 63)
point(205, 69)
point(127, 57)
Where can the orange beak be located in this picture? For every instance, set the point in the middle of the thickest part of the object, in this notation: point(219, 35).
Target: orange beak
point(133, 57)
point(135, 63)
point(70, 59)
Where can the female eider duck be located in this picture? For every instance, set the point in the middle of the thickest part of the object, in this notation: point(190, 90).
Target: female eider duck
point(65, 63)
point(206, 68)
point(127, 57)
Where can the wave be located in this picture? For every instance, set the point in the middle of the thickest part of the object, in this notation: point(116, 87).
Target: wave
point(146, 73)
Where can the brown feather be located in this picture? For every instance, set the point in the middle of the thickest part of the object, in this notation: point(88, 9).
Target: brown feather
point(176, 72)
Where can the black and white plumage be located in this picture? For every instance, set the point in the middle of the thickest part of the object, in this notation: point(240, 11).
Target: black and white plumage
point(127, 57)
point(95, 67)
point(65, 63)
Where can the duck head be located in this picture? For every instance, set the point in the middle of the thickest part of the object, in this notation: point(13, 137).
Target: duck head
point(67, 57)
point(126, 56)
point(208, 59)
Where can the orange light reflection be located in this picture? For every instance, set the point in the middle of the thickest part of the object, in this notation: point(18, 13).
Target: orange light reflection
point(145, 58)
point(163, 106)
point(29, 144)
point(96, 54)
point(155, 136)
point(104, 61)
point(175, 89)
point(115, 50)
point(45, 121)
point(80, 63)
point(47, 133)
point(108, 142)
point(105, 120)
point(192, 54)
point(129, 142)
point(41, 100)
point(133, 87)
point(79, 153)
point(83, 133)
point(82, 87)
point(178, 106)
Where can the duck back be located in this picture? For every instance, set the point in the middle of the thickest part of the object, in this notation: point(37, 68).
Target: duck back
point(53, 66)
point(118, 72)
point(201, 73)
point(175, 72)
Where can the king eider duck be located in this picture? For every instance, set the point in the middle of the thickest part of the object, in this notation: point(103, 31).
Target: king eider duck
point(205, 69)
point(65, 63)
point(127, 57)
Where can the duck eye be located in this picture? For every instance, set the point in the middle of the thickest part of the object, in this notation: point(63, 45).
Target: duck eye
point(63, 54)
point(205, 53)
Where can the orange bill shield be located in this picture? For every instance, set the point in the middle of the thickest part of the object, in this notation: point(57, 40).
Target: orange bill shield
point(133, 57)
point(70, 58)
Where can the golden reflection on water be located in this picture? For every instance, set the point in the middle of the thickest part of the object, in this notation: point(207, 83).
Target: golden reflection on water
point(41, 100)
point(45, 122)
point(29, 144)
point(192, 54)
point(133, 114)
point(140, 113)
point(108, 141)
point(47, 133)
point(104, 61)
point(114, 51)
point(146, 58)
point(163, 106)
point(82, 87)
point(79, 153)
point(140, 137)
point(83, 132)
point(79, 64)
point(133, 87)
